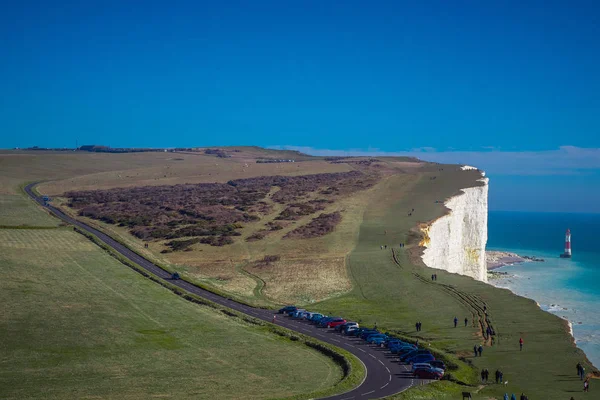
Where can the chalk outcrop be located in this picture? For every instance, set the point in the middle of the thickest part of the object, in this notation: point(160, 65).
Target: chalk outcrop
point(456, 241)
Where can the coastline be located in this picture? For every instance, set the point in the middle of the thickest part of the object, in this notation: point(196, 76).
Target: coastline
point(511, 280)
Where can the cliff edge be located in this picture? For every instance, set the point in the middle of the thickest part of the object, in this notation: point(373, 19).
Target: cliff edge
point(456, 241)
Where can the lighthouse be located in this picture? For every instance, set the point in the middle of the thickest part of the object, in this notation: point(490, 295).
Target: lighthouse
point(567, 253)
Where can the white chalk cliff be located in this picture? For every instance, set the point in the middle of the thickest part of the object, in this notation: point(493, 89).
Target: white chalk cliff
point(456, 242)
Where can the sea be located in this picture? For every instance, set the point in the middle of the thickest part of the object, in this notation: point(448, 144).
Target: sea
point(569, 288)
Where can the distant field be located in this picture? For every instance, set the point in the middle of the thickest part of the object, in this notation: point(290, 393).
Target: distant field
point(78, 324)
point(17, 210)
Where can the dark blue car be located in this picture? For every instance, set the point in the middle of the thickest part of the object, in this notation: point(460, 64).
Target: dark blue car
point(287, 309)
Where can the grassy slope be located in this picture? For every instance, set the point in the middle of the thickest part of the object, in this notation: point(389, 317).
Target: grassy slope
point(17, 211)
point(391, 296)
point(77, 323)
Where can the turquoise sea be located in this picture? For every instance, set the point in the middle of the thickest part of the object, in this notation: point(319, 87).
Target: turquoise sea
point(569, 288)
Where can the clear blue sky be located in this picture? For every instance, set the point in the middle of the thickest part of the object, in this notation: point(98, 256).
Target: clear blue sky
point(394, 76)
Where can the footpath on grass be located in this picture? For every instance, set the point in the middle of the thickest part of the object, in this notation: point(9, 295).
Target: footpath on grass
point(384, 376)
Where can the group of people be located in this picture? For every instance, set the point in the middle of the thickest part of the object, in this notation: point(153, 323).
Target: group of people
point(478, 350)
point(384, 246)
point(485, 374)
point(418, 326)
point(513, 397)
point(434, 277)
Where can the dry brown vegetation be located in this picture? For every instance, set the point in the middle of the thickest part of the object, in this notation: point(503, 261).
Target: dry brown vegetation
point(216, 211)
point(319, 226)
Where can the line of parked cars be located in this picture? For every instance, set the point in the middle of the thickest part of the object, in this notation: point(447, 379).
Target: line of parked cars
point(423, 363)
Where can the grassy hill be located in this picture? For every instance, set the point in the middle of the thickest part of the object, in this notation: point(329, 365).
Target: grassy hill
point(77, 323)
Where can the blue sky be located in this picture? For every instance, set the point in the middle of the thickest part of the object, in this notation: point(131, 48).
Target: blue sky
point(453, 79)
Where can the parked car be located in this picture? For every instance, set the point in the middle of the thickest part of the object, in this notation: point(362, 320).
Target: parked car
point(350, 331)
point(375, 335)
point(417, 366)
point(365, 334)
point(297, 313)
point(401, 350)
point(324, 321)
point(394, 341)
point(315, 317)
point(428, 373)
point(287, 309)
point(438, 364)
point(345, 325)
point(420, 358)
point(377, 339)
point(413, 353)
point(335, 322)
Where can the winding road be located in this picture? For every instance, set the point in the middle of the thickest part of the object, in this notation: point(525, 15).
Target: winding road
point(385, 376)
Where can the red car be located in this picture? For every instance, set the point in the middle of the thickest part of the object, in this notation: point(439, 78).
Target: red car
point(336, 322)
point(428, 373)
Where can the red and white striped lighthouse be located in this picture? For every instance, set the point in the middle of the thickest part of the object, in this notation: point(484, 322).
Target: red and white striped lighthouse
point(567, 253)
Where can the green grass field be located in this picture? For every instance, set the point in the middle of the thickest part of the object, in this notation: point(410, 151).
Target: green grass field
point(391, 296)
point(78, 324)
point(17, 210)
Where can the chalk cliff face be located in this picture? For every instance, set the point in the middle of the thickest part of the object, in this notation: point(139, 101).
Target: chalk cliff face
point(456, 242)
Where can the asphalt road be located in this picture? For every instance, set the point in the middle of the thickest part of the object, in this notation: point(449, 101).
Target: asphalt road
point(385, 376)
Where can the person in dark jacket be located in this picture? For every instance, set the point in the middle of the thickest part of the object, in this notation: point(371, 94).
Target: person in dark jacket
point(455, 321)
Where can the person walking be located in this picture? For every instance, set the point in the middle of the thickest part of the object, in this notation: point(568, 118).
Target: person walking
point(483, 375)
point(513, 397)
point(520, 344)
point(475, 350)
point(497, 376)
point(578, 366)
point(466, 321)
point(417, 326)
point(582, 372)
point(487, 375)
point(420, 326)
point(480, 350)
point(501, 377)
point(274, 318)
point(505, 396)
point(586, 385)
point(455, 321)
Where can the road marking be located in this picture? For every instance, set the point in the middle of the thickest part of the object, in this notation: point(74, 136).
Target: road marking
point(350, 345)
point(347, 398)
point(373, 356)
point(388, 370)
point(384, 385)
point(364, 394)
point(362, 350)
point(390, 378)
point(380, 362)
point(335, 340)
